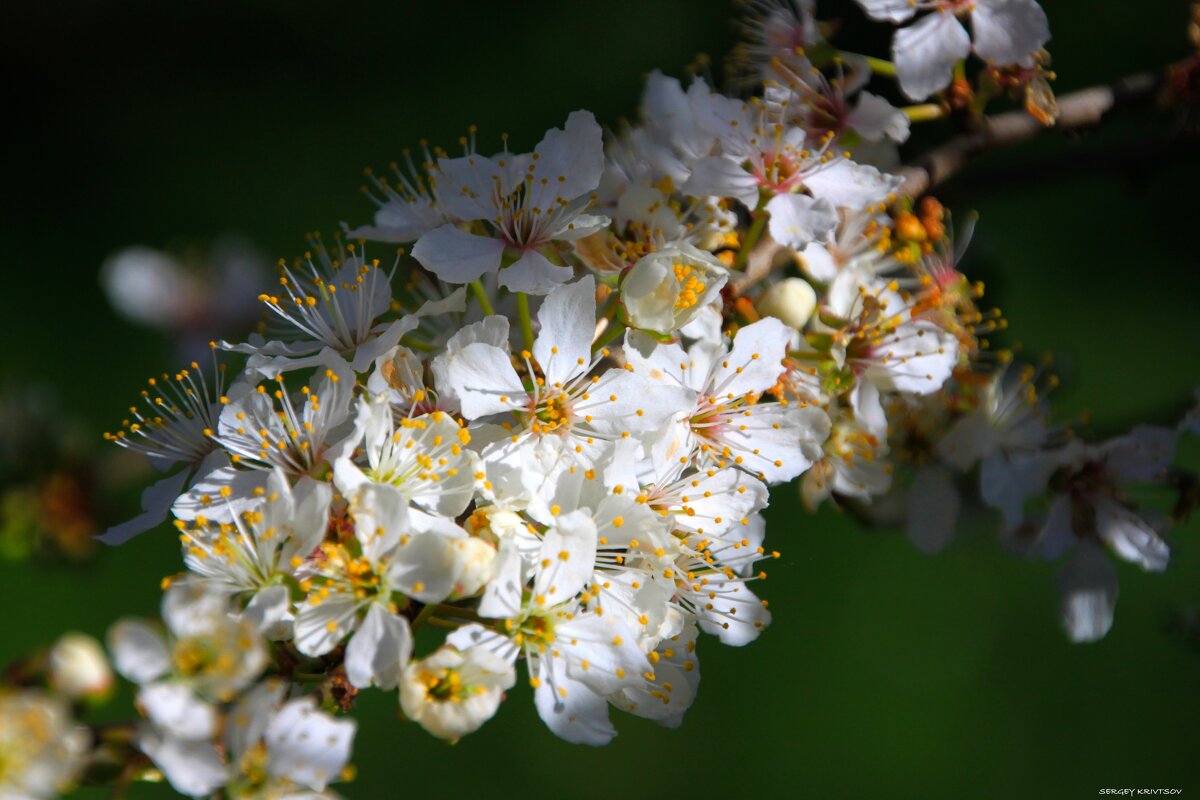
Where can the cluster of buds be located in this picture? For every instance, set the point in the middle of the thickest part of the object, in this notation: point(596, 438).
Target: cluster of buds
point(548, 425)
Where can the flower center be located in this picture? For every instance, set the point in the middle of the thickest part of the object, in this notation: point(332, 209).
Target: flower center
point(200, 655)
point(552, 412)
point(690, 287)
point(536, 630)
point(446, 685)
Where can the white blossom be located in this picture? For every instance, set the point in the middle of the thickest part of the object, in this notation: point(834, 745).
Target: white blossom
point(451, 693)
point(44, 749)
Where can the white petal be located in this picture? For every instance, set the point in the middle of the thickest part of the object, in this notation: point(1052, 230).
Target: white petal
point(502, 597)
point(139, 652)
point(381, 517)
point(777, 442)
point(818, 262)
point(918, 358)
point(425, 567)
point(1009, 31)
point(320, 627)
point(533, 273)
point(889, 10)
point(174, 709)
point(269, 611)
point(1140, 456)
point(484, 379)
point(1088, 583)
point(875, 119)
point(926, 51)
point(398, 221)
point(379, 650)
point(847, 184)
point(567, 559)
point(308, 746)
point(755, 362)
point(736, 615)
point(566, 322)
point(206, 498)
point(718, 502)
point(575, 153)
point(623, 401)
point(385, 338)
point(658, 362)
point(868, 409)
point(680, 671)
point(579, 227)
point(797, 219)
point(1007, 481)
point(456, 256)
point(607, 646)
point(569, 708)
point(467, 184)
point(728, 118)
point(969, 440)
point(489, 330)
point(245, 726)
point(1057, 534)
point(1131, 536)
point(192, 768)
point(718, 176)
point(473, 635)
point(311, 515)
point(156, 504)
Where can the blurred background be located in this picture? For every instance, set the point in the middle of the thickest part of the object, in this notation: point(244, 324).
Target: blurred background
point(225, 130)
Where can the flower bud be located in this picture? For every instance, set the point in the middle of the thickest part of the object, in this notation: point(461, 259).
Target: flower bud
point(476, 559)
point(909, 228)
point(665, 290)
point(78, 667)
point(452, 693)
point(791, 301)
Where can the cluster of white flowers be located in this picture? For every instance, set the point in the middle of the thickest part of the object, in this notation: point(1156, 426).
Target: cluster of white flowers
point(42, 750)
point(265, 744)
point(549, 427)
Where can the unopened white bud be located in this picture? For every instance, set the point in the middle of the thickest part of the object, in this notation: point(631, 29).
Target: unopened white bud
point(79, 668)
point(666, 290)
point(791, 301)
point(452, 693)
point(476, 560)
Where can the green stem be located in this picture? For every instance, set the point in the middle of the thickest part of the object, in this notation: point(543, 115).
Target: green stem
point(308, 677)
point(613, 330)
point(447, 610)
point(752, 236)
point(924, 112)
point(813, 356)
point(417, 344)
point(481, 296)
point(983, 96)
point(425, 614)
point(877, 65)
point(525, 319)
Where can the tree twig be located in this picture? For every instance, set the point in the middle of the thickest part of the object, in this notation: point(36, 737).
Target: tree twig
point(1079, 109)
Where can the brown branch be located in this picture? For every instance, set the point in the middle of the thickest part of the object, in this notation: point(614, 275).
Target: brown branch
point(1076, 110)
point(759, 264)
point(1080, 109)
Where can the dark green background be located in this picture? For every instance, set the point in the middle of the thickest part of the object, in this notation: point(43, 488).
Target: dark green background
point(885, 674)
